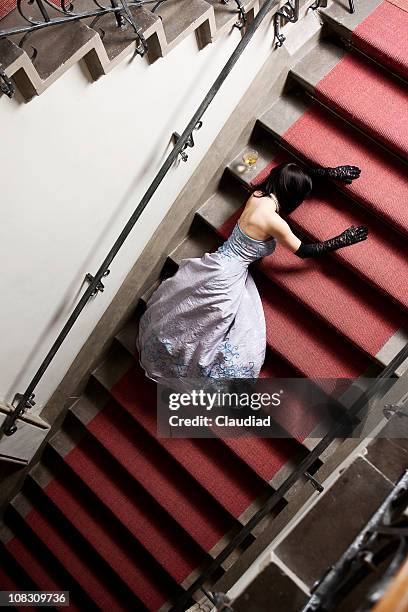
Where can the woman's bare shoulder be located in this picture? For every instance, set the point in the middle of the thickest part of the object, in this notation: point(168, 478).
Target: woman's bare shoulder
point(276, 225)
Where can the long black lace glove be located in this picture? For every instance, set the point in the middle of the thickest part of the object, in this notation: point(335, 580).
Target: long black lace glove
point(350, 236)
point(347, 174)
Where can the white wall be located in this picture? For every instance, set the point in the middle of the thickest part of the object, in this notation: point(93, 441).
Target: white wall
point(75, 162)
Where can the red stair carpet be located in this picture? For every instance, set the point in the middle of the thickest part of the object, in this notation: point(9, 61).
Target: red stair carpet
point(372, 88)
point(125, 518)
point(383, 35)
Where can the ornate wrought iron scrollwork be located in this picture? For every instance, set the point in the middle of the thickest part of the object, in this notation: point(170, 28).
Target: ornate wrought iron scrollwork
point(44, 17)
point(289, 12)
point(100, 287)
point(220, 601)
point(189, 142)
point(242, 21)
point(385, 537)
point(6, 86)
point(318, 4)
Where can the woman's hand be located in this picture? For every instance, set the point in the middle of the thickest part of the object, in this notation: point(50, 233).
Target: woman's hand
point(352, 235)
point(346, 173)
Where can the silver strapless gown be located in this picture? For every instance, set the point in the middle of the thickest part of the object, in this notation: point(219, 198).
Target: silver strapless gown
point(207, 320)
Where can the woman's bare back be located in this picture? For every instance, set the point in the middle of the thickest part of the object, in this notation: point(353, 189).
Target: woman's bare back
point(257, 216)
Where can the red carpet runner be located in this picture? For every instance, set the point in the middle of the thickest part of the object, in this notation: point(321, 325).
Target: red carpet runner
point(383, 36)
point(126, 517)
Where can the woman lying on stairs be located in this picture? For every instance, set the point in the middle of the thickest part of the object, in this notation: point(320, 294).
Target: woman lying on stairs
point(207, 320)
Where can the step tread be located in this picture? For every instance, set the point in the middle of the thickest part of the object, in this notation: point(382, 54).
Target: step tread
point(181, 17)
point(290, 325)
point(227, 13)
point(361, 487)
point(338, 11)
point(332, 293)
point(28, 560)
point(386, 265)
point(104, 538)
point(56, 542)
point(271, 584)
point(56, 47)
point(117, 41)
point(172, 489)
point(141, 516)
point(374, 27)
point(383, 34)
point(322, 355)
point(382, 186)
point(370, 85)
point(204, 459)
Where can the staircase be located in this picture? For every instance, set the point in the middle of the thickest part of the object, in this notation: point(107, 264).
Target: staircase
point(125, 520)
point(35, 61)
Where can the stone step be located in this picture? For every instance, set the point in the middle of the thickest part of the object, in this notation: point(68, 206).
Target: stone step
point(153, 470)
point(293, 113)
point(333, 212)
point(182, 17)
point(216, 210)
point(328, 64)
point(329, 527)
point(201, 240)
point(66, 495)
point(38, 59)
point(47, 53)
point(368, 28)
point(342, 21)
point(85, 570)
point(227, 15)
point(119, 43)
point(272, 589)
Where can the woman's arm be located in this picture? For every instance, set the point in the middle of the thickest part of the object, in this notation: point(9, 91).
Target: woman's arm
point(347, 173)
point(284, 235)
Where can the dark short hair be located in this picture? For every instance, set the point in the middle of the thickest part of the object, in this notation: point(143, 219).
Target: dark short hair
point(289, 183)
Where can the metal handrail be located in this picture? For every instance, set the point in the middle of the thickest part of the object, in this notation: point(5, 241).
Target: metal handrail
point(384, 536)
point(26, 399)
point(339, 430)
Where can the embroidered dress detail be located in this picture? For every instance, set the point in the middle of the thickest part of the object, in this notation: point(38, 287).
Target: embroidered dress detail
point(207, 320)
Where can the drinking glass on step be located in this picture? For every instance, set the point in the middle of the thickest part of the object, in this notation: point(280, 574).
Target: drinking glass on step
point(250, 157)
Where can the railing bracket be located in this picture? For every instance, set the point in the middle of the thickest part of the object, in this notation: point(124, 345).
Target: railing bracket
point(316, 5)
point(315, 483)
point(290, 12)
point(100, 287)
point(6, 86)
point(220, 601)
point(10, 429)
point(322, 4)
point(242, 21)
point(120, 9)
point(189, 142)
point(29, 403)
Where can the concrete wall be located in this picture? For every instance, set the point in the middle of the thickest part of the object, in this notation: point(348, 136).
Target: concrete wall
point(74, 164)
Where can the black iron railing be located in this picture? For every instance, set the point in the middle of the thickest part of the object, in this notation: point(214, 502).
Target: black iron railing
point(23, 401)
point(122, 9)
point(341, 429)
point(322, 3)
point(384, 537)
point(42, 14)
